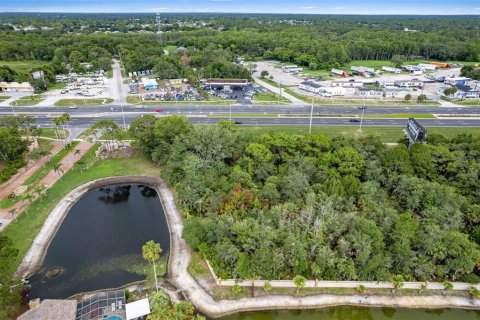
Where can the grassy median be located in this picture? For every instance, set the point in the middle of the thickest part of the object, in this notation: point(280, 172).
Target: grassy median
point(82, 102)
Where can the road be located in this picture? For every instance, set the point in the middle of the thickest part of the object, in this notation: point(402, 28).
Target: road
point(83, 117)
point(117, 89)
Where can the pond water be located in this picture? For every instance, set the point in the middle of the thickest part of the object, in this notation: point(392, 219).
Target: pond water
point(99, 244)
point(360, 313)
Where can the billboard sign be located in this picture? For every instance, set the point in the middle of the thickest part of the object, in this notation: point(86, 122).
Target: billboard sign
point(415, 131)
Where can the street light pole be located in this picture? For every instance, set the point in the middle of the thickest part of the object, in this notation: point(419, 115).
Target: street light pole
point(123, 117)
point(311, 118)
point(230, 112)
point(361, 119)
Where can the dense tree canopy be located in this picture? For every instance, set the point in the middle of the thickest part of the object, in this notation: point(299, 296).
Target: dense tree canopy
point(279, 205)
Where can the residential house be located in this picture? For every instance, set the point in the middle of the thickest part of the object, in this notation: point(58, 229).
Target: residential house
point(16, 87)
point(347, 83)
point(458, 81)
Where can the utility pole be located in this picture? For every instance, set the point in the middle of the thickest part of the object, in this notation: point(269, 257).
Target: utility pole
point(230, 112)
point(123, 117)
point(311, 118)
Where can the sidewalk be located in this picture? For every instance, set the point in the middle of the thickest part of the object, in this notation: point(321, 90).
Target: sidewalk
point(19, 179)
point(65, 164)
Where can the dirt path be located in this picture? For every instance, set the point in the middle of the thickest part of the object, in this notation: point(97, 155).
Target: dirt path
point(65, 164)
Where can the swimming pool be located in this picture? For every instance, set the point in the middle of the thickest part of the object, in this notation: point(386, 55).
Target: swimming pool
point(114, 318)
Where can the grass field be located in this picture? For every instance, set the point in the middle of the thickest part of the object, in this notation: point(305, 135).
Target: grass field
point(56, 86)
point(23, 66)
point(23, 231)
point(269, 98)
point(387, 134)
point(468, 102)
point(50, 133)
point(28, 100)
point(82, 102)
point(2, 98)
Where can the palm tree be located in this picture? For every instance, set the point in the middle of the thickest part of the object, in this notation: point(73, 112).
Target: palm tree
point(65, 120)
point(29, 199)
point(77, 152)
point(57, 168)
point(151, 252)
point(300, 282)
point(39, 191)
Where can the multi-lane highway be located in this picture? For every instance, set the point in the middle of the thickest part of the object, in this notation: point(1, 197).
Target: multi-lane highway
point(83, 117)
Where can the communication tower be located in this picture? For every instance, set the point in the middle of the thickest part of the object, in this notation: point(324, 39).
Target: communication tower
point(159, 27)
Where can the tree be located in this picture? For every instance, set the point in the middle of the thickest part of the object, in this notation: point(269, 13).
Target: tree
point(398, 60)
point(475, 292)
point(421, 98)
point(450, 91)
point(267, 287)
point(447, 285)
point(397, 282)
point(57, 168)
point(361, 289)
point(151, 252)
point(408, 97)
point(264, 74)
point(236, 288)
point(105, 129)
point(300, 282)
point(13, 212)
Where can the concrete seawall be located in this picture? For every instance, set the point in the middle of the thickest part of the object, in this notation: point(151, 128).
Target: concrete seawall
point(180, 257)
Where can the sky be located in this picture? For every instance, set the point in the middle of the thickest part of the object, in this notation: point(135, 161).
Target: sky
point(420, 7)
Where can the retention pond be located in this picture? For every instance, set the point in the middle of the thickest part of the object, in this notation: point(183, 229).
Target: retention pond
point(360, 313)
point(99, 244)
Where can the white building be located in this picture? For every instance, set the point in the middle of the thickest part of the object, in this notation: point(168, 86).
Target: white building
point(16, 87)
point(310, 86)
point(396, 93)
point(458, 81)
point(390, 69)
point(369, 92)
point(347, 83)
point(332, 91)
point(408, 83)
point(425, 66)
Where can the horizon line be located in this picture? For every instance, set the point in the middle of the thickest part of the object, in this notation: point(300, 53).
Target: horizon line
point(242, 12)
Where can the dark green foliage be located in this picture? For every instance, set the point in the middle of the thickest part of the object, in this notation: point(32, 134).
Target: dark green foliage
point(278, 205)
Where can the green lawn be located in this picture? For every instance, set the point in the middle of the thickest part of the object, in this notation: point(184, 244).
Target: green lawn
point(388, 134)
point(50, 133)
point(56, 86)
point(467, 102)
point(23, 66)
point(24, 231)
point(82, 102)
point(269, 98)
point(4, 97)
point(28, 100)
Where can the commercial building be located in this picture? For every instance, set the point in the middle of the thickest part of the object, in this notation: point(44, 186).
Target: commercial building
point(16, 87)
point(458, 81)
point(225, 84)
point(149, 84)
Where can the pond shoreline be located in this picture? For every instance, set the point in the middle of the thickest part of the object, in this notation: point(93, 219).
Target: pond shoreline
point(180, 258)
point(35, 256)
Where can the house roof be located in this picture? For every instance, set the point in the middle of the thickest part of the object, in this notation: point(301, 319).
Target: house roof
point(311, 84)
point(52, 310)
point(137, 309)
point(370, 89)
point(466, 89)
